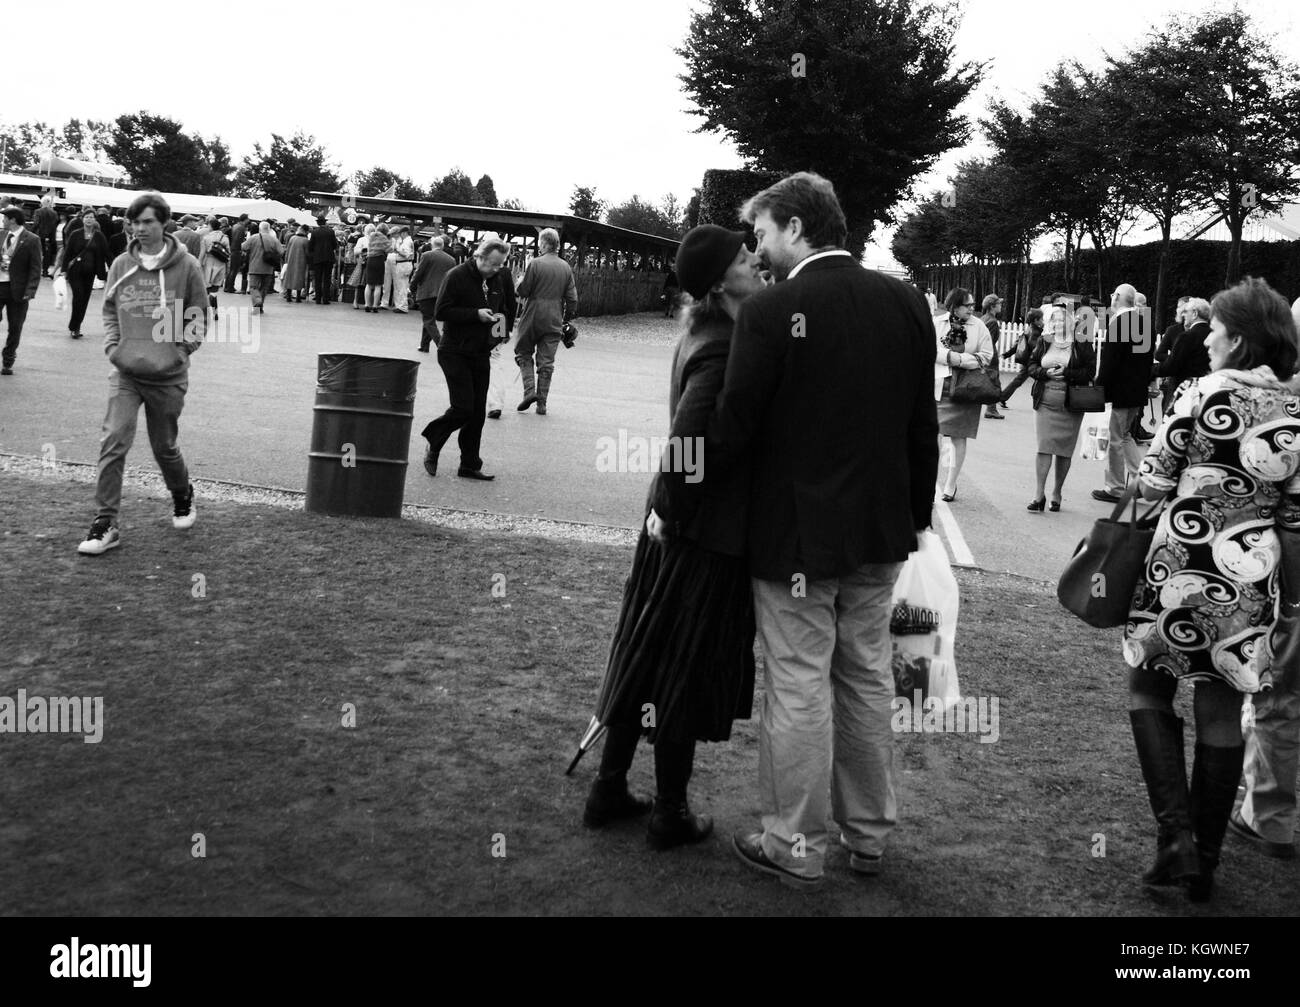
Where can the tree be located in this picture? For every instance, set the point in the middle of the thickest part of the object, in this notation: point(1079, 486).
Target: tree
point(674, 214)
point(455, 187)
point(512, 204)
point(922, 238)
point(1246, 144)
point(1151, 91)
point(289, 170)
point(693, 210)
point(377, 180)
point(159, 153)
point(85, 141)
point(584, 203)
point(864, 92)
point(25, 143)
point(487, 192)
point(638, 215)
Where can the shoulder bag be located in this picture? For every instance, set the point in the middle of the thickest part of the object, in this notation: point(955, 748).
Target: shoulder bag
point(1098, 582)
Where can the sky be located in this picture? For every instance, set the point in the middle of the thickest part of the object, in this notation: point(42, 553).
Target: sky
point(542, 95)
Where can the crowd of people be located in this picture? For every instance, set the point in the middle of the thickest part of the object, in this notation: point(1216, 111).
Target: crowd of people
point(796, 494)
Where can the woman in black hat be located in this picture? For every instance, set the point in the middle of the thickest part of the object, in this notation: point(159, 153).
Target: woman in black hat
point(681, 663)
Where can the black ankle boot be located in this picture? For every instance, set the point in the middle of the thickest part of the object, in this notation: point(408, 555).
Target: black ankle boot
point(1215, 776)
point(610, 801)
point(1158, 736)
point(673, 824)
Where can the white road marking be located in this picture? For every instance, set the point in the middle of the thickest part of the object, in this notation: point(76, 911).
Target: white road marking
point(961, 554)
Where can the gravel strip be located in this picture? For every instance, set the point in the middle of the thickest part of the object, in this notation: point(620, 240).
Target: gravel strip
point(33, 467)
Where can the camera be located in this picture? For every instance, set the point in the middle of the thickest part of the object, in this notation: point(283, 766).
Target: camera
point(568, 335)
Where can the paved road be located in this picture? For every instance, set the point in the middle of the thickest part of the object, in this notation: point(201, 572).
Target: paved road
point(248, 418)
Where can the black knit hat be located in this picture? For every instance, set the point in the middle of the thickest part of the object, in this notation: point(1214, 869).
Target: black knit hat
point(704, 256)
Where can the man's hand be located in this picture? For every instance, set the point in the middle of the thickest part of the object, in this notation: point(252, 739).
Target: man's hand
point(486, 316)
point(656, 527)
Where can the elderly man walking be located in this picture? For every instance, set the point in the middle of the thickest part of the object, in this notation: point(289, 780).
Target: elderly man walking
point(433, 267)
point(263, 253)
point(831, 350)
point(550, 299)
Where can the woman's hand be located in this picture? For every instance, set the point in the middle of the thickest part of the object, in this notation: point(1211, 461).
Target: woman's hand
point(1055, 371)
point(656, 527)
point(486, 316)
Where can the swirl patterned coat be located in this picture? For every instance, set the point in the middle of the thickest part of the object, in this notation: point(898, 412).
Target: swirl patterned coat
point(1228, 457)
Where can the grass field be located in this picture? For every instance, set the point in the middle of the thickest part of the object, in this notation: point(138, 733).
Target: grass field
point(223, 715)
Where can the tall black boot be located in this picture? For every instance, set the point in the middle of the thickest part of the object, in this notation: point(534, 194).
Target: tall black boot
point(671, 822)
point(609, 800)
point(1215, 776)
point(1158, 736)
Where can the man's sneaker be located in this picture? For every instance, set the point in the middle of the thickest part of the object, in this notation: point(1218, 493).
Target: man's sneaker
point(749, 847)
point(183, 514)
point(863, 863)
point(103, 536)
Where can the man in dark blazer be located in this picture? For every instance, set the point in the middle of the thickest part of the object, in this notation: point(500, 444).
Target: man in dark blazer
point(44, 222)
point(433, 266)
point(1125, 373)
point(829, 394)
point(472, 304)
point(21, 265)
point(322, 247)
point(1186, 355)
point(237, 264)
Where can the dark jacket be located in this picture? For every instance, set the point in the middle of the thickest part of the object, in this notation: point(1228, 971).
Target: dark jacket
point(829, 393)
point(457, 309)
point(83, 259)
point(26, 265)
point(322, 245)
point(433, 267)
point(44, 221)
point(1187, 356)
point(1079, 371)
point(1125, 367)
point(709, 512)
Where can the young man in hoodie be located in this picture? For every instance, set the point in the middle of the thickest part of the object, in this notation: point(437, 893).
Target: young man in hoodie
point(155, 316)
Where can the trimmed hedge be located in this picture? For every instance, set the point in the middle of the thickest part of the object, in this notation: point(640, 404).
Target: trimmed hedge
point(1196, 268)
point(725, 190)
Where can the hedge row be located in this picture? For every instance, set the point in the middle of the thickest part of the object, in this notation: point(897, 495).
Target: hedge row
point(724, 191)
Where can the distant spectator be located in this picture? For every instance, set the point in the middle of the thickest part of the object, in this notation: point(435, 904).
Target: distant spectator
point(20, 275)
point(322, 252)
point(44, 222)
point(295, 266)
point(262, 251)
point(434, 265)
point(214, 261)
point(1125, 373)
point(992, 310)
point(1187, 357)
point(189, 237)
point(377, 249)
point(85, 260)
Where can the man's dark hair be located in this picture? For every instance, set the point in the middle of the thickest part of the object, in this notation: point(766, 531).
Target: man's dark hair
point(807, 196)
point(243, 217)
point(1262, 318)
point(321, 220)
point(149, 200)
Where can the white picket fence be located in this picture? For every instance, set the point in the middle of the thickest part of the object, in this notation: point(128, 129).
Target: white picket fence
point(1008, 337)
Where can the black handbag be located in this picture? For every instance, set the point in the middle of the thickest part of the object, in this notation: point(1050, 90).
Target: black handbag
point(981, 385)
point(1087, 398)
point(1098, 582)
point(219, 251)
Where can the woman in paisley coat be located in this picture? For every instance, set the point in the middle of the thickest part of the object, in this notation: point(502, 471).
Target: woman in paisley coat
point(1226, 460)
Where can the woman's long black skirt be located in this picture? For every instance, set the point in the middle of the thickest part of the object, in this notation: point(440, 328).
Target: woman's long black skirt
point(684, 644)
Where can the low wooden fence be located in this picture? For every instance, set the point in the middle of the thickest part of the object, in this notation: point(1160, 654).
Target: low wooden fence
point(617, 291)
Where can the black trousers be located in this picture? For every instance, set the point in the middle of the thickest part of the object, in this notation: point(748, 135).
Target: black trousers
point(79, 285)
point(429, 330)
point(15, 312)
point(467, 385)
point(320, 278)
point(48, 251)
point(674, 760)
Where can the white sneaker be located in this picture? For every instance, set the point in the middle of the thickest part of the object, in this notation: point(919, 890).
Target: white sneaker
point(183, 513)
point(103, 536)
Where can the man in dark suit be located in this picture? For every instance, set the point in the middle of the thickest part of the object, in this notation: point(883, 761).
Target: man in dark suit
point(238, 265)
point(21, 265)
point(1185, 354)
point(44, 223)
point(829, 394)
point(322, 247)
point(429, 273)
point(1125, 373)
